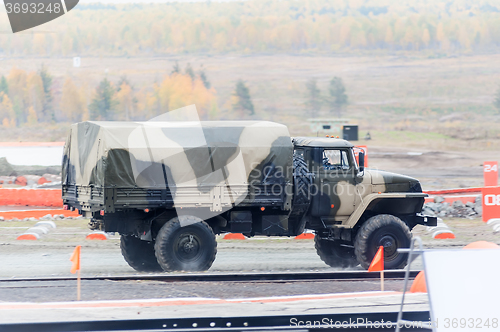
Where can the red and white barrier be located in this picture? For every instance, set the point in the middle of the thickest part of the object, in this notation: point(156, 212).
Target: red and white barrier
point(31, 197)
point(451, 195)
point(234, 236)
point(7, 179)
point(491, 195)
point(22, 214)
point(490, 171)
point(441, 231)
point(491, 203)
point(97, 235)
point(495, 224)
point(39, 229)
point(307, 235)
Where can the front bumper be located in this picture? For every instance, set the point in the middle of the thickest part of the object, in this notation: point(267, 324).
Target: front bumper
point(426, 220)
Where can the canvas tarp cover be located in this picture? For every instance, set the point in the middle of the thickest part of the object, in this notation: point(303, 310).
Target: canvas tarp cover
point(188, 154)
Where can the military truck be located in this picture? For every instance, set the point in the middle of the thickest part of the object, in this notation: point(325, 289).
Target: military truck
point(169, 187)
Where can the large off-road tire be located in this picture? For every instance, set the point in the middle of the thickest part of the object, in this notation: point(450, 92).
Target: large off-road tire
point(383, 230)
point(185, 248)
point(334, 254)
point(140, 255)
point(302, 181)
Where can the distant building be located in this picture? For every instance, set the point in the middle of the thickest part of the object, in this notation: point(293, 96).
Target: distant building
point(327, 126)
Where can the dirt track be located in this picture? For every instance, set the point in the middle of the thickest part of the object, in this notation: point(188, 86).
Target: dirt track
point(435, 170)
point(50, 255)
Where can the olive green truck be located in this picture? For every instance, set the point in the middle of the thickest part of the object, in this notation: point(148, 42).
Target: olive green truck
point(169, 187)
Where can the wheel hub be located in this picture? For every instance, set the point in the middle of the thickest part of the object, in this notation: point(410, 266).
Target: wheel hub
point(188, 246)
point(390, 245)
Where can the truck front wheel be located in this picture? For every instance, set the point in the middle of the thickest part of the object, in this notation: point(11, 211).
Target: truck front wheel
point(187, 247)
point(140, 255)
point(383, 230)
point(335, 254)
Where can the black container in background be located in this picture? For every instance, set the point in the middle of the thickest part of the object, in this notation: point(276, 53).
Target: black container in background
point(350, 133)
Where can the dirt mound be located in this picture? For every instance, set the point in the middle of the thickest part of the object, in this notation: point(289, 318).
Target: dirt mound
point(7, 169)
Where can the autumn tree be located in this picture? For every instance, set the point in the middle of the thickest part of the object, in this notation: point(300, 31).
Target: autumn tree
point(242, 100)
point(4, 86)
point(190, 71)
point(47, 110)
point(72, 104)
point(176, 69)
point(32, 117)
point(426, 37)
point(204, 79)
point(103, 103)
point(123, 80)
point(126, 101)
point(17, 81)
point(178, 90)
point(337, 98)
point(313, 97)
point(319, 25)
point(36, 97)
point(7, 115)
point(389, 37)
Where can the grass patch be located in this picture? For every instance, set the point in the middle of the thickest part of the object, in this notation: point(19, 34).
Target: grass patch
point(80, 223)
point(26, 224)
point(395, 137)
point(397, 109)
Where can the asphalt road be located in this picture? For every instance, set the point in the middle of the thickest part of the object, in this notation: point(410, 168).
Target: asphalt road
point(44, 258)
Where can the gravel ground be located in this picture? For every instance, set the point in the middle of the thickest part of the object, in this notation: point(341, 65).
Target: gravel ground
point(434, 169)
point(53, 291)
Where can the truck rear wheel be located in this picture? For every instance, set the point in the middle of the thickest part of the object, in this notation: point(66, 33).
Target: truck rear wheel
point(383, 230)
point(140, 255)
point(334, 254)
point(185, 248)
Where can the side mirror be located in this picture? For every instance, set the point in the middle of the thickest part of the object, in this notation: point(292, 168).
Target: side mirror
point(361, 158)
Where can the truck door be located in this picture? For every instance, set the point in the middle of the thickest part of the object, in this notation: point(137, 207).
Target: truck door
point(335, 179)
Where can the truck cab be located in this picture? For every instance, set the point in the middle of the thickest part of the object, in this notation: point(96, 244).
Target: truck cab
point(344, 196)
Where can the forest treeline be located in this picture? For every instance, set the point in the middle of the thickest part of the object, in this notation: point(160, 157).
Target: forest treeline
point(28, 98)
point(259, 26)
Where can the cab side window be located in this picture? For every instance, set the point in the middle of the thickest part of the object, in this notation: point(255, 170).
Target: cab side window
point(334, 159)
